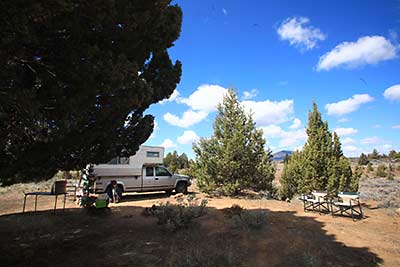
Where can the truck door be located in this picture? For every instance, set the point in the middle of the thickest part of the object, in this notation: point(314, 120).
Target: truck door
point(163, 178)
point(148, 177)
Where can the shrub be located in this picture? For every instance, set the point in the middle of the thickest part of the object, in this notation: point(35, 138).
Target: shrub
point(381, 171)
point(390, 176)
point(180, 216)
point(249, 220)
point(310, 260)
point(370, 168)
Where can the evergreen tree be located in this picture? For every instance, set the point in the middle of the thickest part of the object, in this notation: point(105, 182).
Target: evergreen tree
point(363, 159)
point(183, 161)
point(233, 158)
point(374, 154)
point(356, 179)
point(76, 78)
point(321, 164)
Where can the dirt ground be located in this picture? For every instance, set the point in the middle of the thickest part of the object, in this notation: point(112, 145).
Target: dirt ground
point(123, 236)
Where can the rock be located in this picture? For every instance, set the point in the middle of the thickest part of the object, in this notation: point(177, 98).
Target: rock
point(179, 195)
point(398, 211)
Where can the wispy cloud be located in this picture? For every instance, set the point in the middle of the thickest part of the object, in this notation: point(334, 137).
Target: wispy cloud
point(299, 34)
point(249, 94)
point(225, 11)
point(283, 83)
point(366, 50)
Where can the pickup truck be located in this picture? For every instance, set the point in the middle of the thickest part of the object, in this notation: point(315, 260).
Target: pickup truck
point(149, 178)
point(142, 172)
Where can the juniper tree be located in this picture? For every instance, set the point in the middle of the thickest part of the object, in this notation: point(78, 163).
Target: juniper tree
point(320, 165)
point(76, 78)
point(363, 159)
point(233, 158)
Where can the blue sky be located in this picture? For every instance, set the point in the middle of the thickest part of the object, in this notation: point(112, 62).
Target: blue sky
point(279, 56)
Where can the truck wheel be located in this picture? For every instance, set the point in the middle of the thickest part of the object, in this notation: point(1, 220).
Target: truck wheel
point(181, 188)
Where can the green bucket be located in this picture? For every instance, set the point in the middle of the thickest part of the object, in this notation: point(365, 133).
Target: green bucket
point(101, 203)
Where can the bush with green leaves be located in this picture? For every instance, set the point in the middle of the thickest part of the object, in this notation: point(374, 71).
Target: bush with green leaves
point(390, 176)
point(179, 216)
point(234, 157)
point(370, 168)
point(363, 159)
point(248, 220)
point(381, 171)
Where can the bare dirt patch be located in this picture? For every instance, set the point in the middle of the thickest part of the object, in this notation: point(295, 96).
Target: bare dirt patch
point(123, 236)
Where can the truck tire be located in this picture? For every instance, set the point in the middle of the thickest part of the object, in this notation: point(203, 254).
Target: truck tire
point(181, 187)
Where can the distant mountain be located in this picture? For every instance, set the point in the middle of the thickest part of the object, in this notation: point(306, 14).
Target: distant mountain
point(279, 156)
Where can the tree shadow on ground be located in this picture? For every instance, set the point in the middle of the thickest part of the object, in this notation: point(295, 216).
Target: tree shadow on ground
point(123, 236)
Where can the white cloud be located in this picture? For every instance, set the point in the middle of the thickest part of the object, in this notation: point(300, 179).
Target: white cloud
point(201, 102)
point(349, 105)
point(168, 143)
point(371, 140)
point(249, 94)
point(342, 120)
point(188, 118)
point(205, 98)
point(393, 93)
point(396, 126)
point(269, 112)
point(298, 33)
point(288, 138)
point(377, 126)
point(174, 96)
point(348, 141)
point(188, 137)
point(366, 50)
point(225, 11)
point(272, 131)
point(345, 131)
point(291, 138)
point(296, 124)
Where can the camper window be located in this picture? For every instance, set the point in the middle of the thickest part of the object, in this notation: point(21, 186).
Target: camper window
point(119, 160)
point(153, 154)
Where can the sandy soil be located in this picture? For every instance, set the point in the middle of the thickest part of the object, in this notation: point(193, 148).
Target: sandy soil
point(122, 236)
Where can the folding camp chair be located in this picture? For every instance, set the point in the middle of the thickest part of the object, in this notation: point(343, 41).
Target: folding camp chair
point(58, 188)
point(347, 203)
point(321, 203)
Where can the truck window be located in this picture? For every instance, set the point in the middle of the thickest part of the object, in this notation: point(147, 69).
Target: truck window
point(153, 154)
point(149, 171)
point(160, 171)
